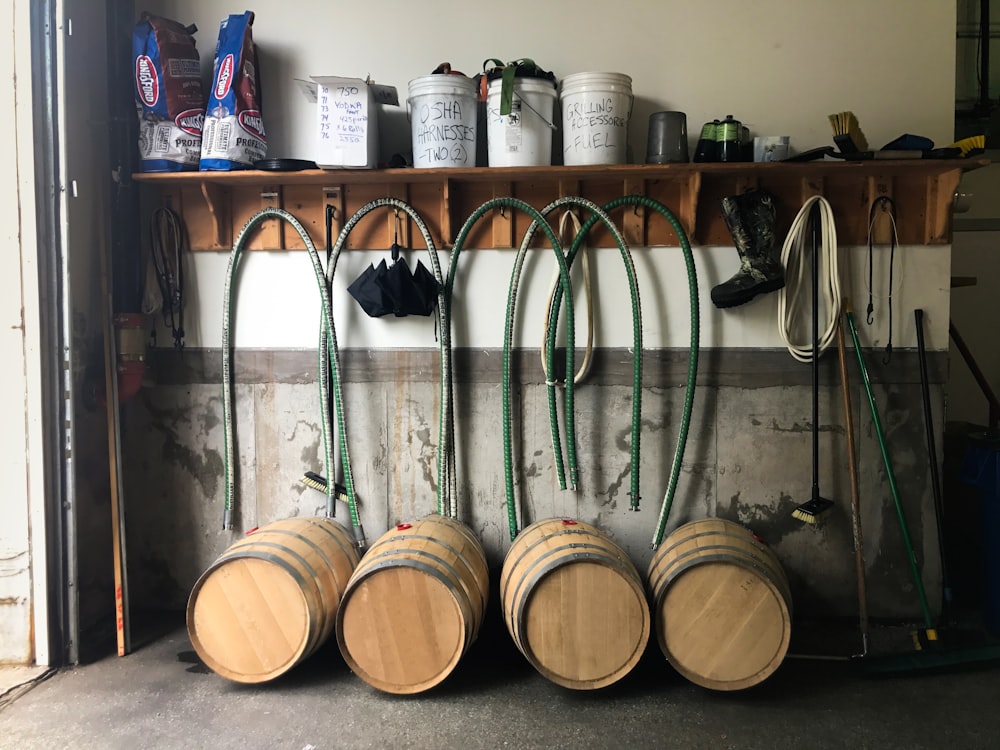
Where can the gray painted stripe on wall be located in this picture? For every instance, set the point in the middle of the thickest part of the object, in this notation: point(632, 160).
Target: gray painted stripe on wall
point(667, 368)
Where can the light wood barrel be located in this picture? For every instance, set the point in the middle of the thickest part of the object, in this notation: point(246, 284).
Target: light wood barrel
point(414, 605)
point(721, 603)
point(574, 604)
point(271, 599)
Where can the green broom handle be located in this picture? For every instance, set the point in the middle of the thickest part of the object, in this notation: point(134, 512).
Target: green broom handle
point(917, 580)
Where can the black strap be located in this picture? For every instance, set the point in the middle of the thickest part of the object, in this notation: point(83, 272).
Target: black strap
point(166, 245)
point(887, 205)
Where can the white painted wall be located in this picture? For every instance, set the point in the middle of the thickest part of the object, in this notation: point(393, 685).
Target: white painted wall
point(22, 592)
point(781, 66)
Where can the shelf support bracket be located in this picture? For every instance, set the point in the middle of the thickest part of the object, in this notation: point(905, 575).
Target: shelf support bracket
point(399, 192)
point(876, 186)
point(272, 232)
point(447, 215)
point(216, 200)
point(634, 221)
point(940, 197)
point(333, 195)
point(503, 220)
point(688, 212)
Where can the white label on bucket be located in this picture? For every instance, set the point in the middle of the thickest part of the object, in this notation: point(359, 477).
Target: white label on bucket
point(443, 131)
point(512, 126)
point(593, 123)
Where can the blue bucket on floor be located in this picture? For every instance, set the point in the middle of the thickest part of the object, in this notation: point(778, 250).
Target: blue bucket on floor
point(981, 469)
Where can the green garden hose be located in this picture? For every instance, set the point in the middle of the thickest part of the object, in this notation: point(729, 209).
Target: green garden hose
point(227, 352)
point(549, 349)
point(503, 203)
point(597, 214)
point(446, 502)
point(692, 374)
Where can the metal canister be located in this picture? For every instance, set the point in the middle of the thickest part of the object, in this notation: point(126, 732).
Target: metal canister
point(746, 144)
point(707, 148)
point(727, 139)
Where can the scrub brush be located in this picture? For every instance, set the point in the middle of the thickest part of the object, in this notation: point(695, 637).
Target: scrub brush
point(972, 146)
point(847, 133)
point(811, 510)
point(318, 482)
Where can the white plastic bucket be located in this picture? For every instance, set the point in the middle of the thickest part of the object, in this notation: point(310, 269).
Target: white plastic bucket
point(442, 110)
point(596, 109)
point(524, 137)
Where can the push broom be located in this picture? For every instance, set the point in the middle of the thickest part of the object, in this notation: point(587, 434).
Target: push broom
point(929, 633)
point(930, 653)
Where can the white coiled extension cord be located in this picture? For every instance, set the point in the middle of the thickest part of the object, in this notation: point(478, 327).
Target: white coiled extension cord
point(790, 297)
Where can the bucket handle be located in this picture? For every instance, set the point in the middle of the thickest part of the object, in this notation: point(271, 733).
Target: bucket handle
point(541, 117)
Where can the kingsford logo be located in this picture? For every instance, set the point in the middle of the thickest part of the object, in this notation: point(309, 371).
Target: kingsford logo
point(251, 122)
point(146, 81)
point(225, 79)
point(191, 121)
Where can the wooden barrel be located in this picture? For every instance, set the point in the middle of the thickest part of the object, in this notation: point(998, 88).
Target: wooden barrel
point(414, 605)
point(574, 604)
point(721, 603)
point(271, 599)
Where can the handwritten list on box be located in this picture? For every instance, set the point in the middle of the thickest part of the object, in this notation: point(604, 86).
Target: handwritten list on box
point(343, 113)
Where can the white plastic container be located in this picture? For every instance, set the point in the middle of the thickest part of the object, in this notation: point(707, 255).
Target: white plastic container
point(442, 110)
point(524, 137)
point(596, 109)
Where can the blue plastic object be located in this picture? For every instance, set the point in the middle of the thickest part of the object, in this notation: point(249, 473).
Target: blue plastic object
point(981, 469)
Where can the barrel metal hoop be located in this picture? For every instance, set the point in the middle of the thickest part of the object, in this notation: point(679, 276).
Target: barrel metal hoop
point(458, 527)
point(450, 584)
point(316, 548)
point(561, 532)
point(532, 575)
point(325, 525)
point(483, 597)
point(741, 559)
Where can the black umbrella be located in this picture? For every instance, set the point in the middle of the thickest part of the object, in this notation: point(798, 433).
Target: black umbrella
point(385, 289)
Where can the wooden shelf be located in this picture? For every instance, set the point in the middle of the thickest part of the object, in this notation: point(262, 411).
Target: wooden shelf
point(215, 205)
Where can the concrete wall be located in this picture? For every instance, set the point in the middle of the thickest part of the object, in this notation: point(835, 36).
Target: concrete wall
point(747, 458)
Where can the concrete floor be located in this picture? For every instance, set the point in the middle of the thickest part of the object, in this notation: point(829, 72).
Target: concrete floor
point(162, 697)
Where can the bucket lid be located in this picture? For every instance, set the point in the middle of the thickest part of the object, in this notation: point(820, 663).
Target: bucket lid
point(437, 83)
point(621, 79)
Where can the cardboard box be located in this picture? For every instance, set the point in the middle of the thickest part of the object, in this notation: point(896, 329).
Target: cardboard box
point(347, 132)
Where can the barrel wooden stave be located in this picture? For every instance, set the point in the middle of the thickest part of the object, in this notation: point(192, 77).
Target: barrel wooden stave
point(414, 605)
point(721, 603)
point(270, 599)
point(574, 604)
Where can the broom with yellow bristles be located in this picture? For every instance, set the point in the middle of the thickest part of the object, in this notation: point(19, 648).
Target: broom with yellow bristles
point(972, 146)
point(847, 133)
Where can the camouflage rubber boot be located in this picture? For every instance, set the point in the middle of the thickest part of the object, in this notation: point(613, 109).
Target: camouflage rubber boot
point(750, 218)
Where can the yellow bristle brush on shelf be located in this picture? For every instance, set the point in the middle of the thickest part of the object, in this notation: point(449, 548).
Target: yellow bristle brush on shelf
point(847, 133)
point(973, 145)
